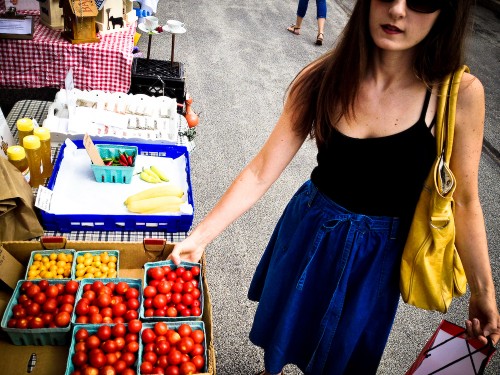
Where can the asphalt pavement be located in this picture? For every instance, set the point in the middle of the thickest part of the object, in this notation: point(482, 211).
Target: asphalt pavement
point(238, 60)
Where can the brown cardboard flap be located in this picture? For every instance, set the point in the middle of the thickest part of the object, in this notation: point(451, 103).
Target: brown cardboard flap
point(11, 269)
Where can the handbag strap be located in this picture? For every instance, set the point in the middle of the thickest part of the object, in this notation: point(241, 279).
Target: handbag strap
point(446, 111)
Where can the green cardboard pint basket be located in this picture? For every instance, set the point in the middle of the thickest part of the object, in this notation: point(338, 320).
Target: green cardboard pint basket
point(114, 173)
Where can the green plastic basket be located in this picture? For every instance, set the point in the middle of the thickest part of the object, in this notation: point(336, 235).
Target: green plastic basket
point(114, 174)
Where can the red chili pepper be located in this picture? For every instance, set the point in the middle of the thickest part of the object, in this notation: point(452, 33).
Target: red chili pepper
point(123, 163)
point(130, 160)
point(123, 159)
point(108, 163)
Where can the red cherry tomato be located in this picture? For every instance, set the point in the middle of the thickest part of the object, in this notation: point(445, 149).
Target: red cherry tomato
point(161, 328)
point(119, 330)
point(184, 330)
point(174, 357)
point(171, 312)
point(159, 301)
point(104, 332)
point(92, 342)
point(121, 287)
point(156, 273)
point(119, 309)
point(146, 368)
point(81, 334)
point(97, 359)
point(71, 287)
point(162, 347)
point(132, 293)
point(187, 275)
point(150, 357)
point(82, 308)
point(95, 318)
point(79, 358)
point(97, 285)
point(149, 291)
point(185, 345)
point(133, 304)
point(172, 370)
point(199, 362)
point(188, 368)
point(32, 290)
point(197, 350)
point(195, 270)
point(148, 335)
point(134, 326)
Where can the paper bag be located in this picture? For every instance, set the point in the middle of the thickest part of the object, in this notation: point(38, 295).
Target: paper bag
point(18, 220)
point(448, 353)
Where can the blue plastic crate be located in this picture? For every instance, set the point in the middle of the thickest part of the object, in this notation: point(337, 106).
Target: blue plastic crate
point(34, 336)
point(116, 253)
point(135, 283)
point(92, 329)
point(187, 265)
point(175, 325)
point(114, 174)
point(178, 222)
point(47, 253)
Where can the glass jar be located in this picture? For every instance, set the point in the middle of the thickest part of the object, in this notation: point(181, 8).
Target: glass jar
point(24, 127)
point(46, 153)
point(31, 145)
point(17, 157)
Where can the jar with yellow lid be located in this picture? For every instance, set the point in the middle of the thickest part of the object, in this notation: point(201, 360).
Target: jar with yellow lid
point(24, 127)
point(46, 153)
point(17, 157)
point(31, 144)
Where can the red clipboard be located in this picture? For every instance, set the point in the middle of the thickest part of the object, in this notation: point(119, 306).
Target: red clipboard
point(448, 353)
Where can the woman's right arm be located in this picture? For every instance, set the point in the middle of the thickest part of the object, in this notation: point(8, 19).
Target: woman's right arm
point(248, 187)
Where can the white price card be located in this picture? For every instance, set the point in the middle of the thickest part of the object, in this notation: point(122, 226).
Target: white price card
point(43, 198)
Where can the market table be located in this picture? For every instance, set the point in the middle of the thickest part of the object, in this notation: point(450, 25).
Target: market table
point(45, 60)
point(38, 110)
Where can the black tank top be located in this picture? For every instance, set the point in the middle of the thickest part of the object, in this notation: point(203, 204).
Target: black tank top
point(380, 176)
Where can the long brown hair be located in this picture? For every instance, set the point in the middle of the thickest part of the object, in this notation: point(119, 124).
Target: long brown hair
point(327, 88)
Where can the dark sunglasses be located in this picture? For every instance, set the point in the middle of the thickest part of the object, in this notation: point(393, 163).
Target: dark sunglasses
point(421, 6)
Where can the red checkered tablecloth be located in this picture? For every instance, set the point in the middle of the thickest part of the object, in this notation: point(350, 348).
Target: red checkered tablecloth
point(45, 60)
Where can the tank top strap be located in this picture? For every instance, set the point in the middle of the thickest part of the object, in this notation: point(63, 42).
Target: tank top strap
point(425, 106)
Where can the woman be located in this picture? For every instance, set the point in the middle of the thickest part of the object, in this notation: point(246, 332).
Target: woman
point(328, 282)
point(320, 17)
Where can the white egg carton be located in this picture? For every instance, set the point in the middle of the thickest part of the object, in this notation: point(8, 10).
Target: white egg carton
point(115, 116)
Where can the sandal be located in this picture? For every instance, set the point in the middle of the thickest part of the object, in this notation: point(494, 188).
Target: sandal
point(319, 39)
point(294, 29)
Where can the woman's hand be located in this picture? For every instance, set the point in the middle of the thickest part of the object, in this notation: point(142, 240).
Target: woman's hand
point(484, 319)
point(187, 250)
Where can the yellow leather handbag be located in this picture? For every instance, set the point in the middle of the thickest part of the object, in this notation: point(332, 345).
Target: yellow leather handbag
point(431, 269)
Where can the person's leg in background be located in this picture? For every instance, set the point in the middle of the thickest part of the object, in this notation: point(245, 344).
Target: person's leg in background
point(301, 13)
point(321, 16)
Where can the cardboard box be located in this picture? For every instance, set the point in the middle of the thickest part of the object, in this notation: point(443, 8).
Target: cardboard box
point(51, 360)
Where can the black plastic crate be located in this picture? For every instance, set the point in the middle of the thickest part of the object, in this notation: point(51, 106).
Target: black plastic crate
point(159, 78)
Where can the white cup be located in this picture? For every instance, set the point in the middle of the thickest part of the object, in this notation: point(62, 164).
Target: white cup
point(175, 25)
point(151, 22)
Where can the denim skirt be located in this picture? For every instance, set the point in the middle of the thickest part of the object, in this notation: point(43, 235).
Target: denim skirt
point(327, 287)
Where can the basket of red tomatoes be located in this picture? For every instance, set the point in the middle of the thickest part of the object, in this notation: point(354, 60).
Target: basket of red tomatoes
point(173, 348)
point(105, 301)
point(172, 292)
point(39, 312)
point(104, 349)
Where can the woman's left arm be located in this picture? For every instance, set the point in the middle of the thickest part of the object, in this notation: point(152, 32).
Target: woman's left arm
point(470, 239)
